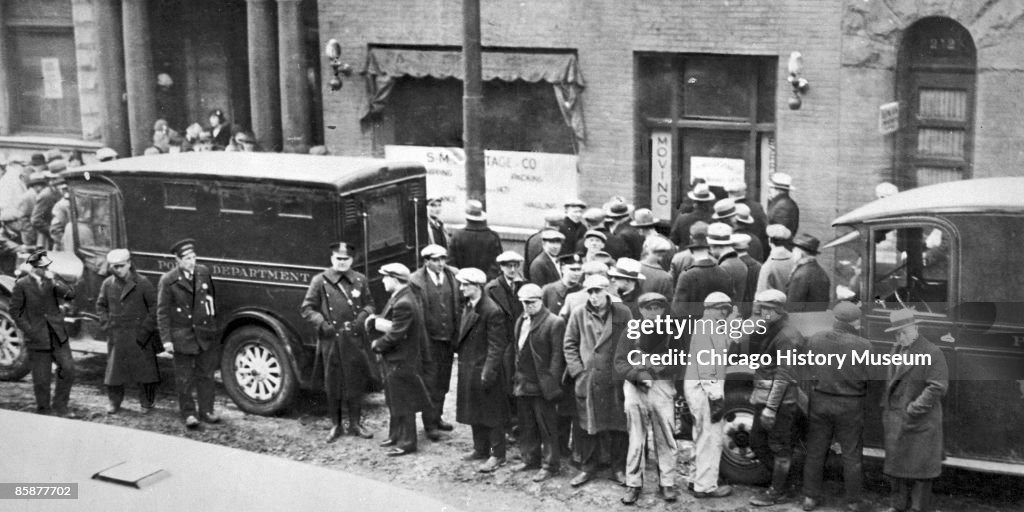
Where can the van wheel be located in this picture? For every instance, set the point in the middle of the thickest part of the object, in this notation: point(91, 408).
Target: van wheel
point(257, 371)
point(739, 464)
point(13, 352)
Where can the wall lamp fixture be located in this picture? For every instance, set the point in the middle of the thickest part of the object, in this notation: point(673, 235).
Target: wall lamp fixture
point(799, 83)
point(333, 51)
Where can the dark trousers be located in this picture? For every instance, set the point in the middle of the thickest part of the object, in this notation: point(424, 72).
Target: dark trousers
point(909, 494)
point(147, 394)
point(489, 441)
point(610, 445)
point(538, 432)
point(438, 380)
point(564, 430)
point(841, 417)
point(402, 429)
point(334, 387)
point(41, 362)
point(777, 442)
point(195, 371)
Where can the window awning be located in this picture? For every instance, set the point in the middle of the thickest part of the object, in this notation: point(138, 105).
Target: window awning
point(561, 69)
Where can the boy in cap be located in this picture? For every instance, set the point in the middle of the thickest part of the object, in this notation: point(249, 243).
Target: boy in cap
point(782, 209)
point(482, 398)
point(402, 344)
point(187, 318)
point(436, 234)
point(476, 245)
point(544, 268)
point(535, 244)
point(440, 292)
point(649, 395)
point(126, 306)
point(836, 406)
point(336, 304)
point(571, 225)
point(571, 267)
point(809, 286)
point(779, 266)
point(35, 308)
point(536, 384)
point(704, 389)
point(912, 415)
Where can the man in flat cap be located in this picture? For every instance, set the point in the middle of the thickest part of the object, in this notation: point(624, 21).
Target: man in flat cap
point(779, 266)
point(476, 245)
point(595, 219)
point(912, 415)
point(187, 318)
point(336, 304)
point(440, 292)
point(534, 243)
point(436, 233)
point(483, 396)
point(647, 224)
point(649, 394)
point(571, 266)
point(35, 307)
point(656, 251)
point(545, 268)
point(704, 388)
point(402, 345)
point(836, 406)
point(782, 209)
point(571, 225)
point(126, 306)
point(775, 394)
point(591, 337)
point(536, 384)
point(503, 289)
point(809, 286)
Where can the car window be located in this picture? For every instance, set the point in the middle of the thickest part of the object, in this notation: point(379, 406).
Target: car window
point(94, 219)
point(911, 268)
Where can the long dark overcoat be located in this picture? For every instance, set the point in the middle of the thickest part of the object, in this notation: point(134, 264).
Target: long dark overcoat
point(127, 311)
point(782, 209)
point(808, 288)
point(590, 343)
point(482, 388)
point(404, 353)
point(912, 414)
point(34, 306)
point(477, 246)
point(185, 311)
point(539, 362)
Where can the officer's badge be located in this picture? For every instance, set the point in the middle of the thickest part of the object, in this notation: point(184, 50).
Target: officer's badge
point(355, 293)
point(205, 286)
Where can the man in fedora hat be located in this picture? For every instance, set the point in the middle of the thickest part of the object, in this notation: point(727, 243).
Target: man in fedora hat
point(336, 304)
point(187, 319)
point(571, 224)
point(721, 242)
point(742, 243)
point(440, 292)
point(745, 224)
point(836, 406)
point(476, 245)
point(646, 223)
point(702, 211)
point(35, 308)
point(912, 416)
point(724, 212)
point(683, 260)
point(809, 285)
point(782, 209)
point(779, 266)
point(571, 266)
point(618, 211)
point(402, 344)
point(436, 233)
point(535, 245)
point(738, 192)
point(545, 267)
point(626, 278)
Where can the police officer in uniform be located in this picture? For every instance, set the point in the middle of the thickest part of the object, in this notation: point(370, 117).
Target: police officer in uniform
point(337, 303)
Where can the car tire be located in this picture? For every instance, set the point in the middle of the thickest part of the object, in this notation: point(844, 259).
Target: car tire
point(739, 464)
point(257, 371)
point(14, 362)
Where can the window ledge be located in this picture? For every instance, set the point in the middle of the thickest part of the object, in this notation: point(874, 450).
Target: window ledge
point(44, 142)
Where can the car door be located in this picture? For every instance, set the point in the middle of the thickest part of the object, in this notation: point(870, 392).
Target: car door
point(98, 223)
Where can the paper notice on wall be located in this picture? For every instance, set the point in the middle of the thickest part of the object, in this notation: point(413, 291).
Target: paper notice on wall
point(521, 186)
point(718, 172)
point(53, 87)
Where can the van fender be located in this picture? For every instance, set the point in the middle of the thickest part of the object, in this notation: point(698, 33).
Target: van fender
point(281, 330)
point(6, 285)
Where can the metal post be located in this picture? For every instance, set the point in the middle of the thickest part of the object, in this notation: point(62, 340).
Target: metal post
point(472, 102)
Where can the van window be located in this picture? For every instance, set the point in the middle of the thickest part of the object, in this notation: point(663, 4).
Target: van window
point(912, 268)
point(235, 200)
point(385, 220)
point(180, 196)
point(95, 221)
point(295, 206)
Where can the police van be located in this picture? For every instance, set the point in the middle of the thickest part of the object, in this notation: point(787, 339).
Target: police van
point(262, 223)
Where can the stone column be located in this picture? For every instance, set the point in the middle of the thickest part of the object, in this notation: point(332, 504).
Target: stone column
point(264, 90)
point(110, 66)
point(139, 76)
point(294, 89)
point(5, 102)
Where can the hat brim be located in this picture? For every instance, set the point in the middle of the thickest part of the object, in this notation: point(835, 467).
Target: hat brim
point(703, 199)
point(614, 273)
point(481, 216)
point(808, 249)
point(774, 305)
point(717, 216)
point(698, 246)
point(730, 241)
point(610, 215)
point(780, 186)
point(636, 224)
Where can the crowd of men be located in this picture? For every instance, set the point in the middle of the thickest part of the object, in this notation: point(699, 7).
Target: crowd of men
point(545, 357)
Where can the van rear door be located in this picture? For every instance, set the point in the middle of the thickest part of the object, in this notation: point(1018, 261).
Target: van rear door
point(98, 222)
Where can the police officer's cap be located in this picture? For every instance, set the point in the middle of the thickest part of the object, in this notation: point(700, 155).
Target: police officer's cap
point(342, 249)
point(184, 248)
point(570, 259)
point(39, 259)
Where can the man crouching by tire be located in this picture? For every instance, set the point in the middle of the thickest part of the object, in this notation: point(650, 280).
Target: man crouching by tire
point(775, 394)
point(337, 303)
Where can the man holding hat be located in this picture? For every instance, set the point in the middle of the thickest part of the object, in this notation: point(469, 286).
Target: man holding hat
point(126, 306)
point(912, 415)
point(782, 209)
point(779, 266)
point(536, 383)
point(336, 304)
point(809, 285)
point(476, 245)
point(35, 308)
point(703, 199)
point(440, 293)
point(571, 267)
point(721, 241)
point(482, 398)
point(186, 317)
point(704, 388)
point(436, 234)
point(534, 243)
point(545, 268)
point(703, 277)
point(591, 337)
point(402, 345)
point(775, 394)
point(836, 406)
point(626, 277)
point(649, 395)
point(571, 225)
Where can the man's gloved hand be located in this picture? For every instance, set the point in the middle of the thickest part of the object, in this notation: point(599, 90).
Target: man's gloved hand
point(768, 418)
point(717, 409)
